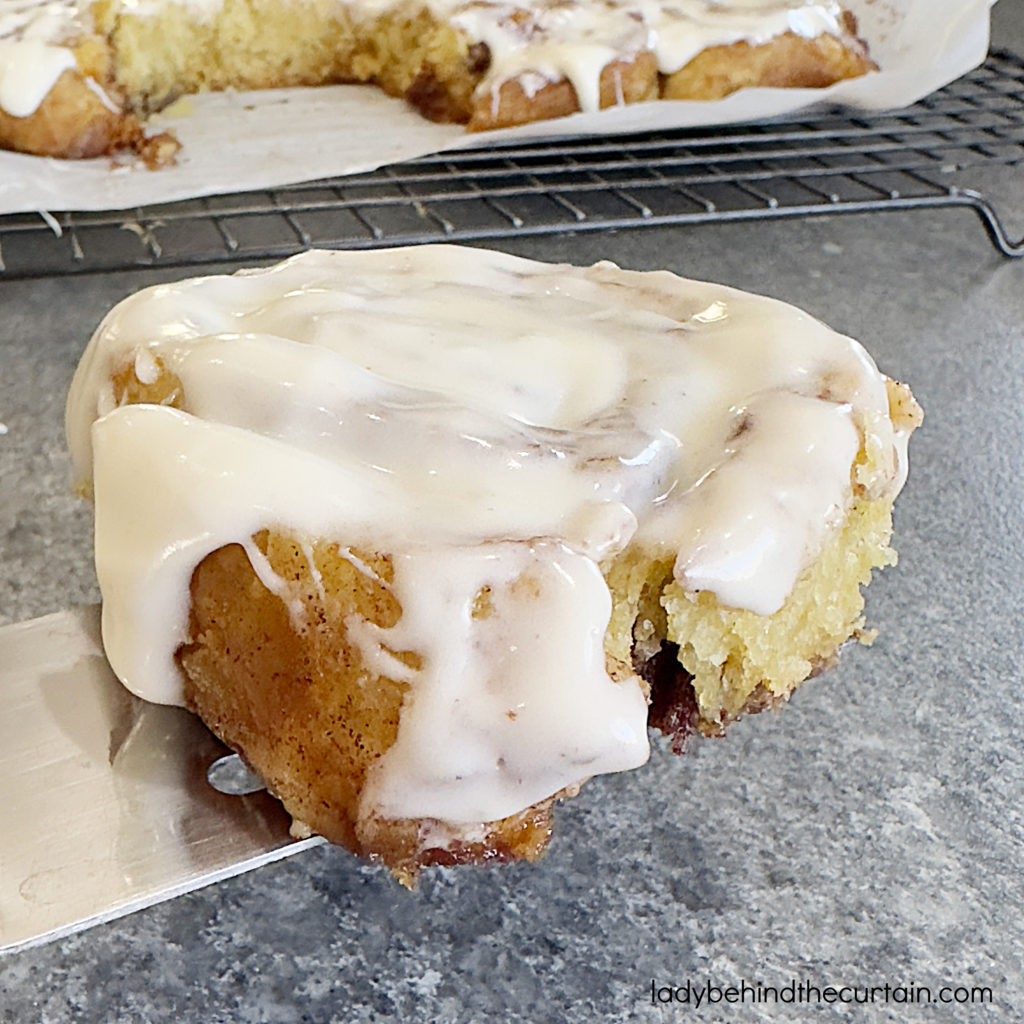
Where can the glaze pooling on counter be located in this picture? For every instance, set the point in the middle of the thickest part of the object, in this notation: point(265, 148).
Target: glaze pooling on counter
point(485, 420)
point(536, 41)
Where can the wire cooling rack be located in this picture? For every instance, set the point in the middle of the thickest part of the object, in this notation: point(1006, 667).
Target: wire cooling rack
point(836, 163)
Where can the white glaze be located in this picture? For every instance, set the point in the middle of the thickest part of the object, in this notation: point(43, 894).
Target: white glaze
point(575, 41)
point(481, 418)
point(496, 720)
point(31, 55)
point(535, 41)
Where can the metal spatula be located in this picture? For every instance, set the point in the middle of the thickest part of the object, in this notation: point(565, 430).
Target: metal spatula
point(107, 804)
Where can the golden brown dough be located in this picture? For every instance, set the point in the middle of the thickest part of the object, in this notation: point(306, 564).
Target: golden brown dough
point(307, 712)
point(142, 63)
point(312, 718)
point(73, 121)
point(295, 648)
point(786, 62)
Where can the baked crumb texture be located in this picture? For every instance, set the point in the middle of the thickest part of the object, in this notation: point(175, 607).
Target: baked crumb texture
point(142, 64)
point(305, 710)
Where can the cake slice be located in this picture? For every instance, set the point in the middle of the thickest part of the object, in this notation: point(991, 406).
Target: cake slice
point(78, 77)
point(428, 534)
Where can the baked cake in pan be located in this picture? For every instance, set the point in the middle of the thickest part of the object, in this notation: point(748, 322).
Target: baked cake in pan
point(77, 77)
point(429, 534)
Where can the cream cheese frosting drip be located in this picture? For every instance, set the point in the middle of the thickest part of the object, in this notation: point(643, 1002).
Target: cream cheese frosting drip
point(554, 39)
point(32, 56)
point(535, 41)
point(485, 420)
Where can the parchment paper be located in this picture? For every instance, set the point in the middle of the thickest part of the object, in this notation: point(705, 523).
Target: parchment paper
point(237, 142)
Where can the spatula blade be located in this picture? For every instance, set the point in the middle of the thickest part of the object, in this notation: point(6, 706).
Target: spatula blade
point(106, 804)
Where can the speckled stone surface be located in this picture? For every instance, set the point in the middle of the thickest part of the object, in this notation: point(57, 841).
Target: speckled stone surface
point(870, 833)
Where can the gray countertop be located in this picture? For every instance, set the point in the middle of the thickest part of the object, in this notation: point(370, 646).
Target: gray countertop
point(870, 833)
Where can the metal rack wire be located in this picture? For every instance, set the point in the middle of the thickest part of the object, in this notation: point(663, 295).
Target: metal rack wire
point(834, 163)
